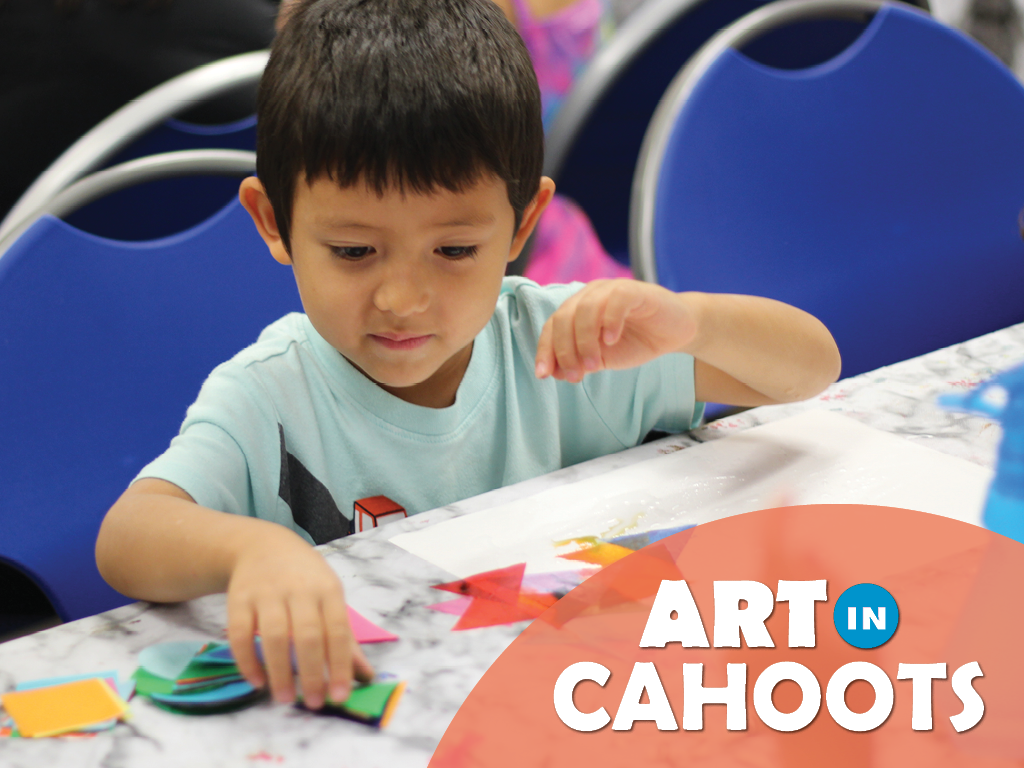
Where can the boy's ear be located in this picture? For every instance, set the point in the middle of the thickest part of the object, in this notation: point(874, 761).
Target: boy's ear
point(531, 216)
point(254, 199)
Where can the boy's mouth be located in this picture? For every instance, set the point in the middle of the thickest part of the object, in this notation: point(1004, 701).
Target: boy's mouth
point(400, 341)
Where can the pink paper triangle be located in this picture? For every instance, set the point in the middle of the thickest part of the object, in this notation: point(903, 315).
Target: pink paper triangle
point(366, 631)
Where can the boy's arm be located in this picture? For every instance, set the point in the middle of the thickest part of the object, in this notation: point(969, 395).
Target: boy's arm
point(748, 350)
point(157, 544)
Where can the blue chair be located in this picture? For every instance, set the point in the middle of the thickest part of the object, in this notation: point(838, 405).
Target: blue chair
point(147, 125)
point(165, 206)
point(878, 191)
point(594, 143)
point(103, 345)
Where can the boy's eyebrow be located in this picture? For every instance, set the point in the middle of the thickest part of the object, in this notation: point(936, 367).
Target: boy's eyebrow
point(467, 221)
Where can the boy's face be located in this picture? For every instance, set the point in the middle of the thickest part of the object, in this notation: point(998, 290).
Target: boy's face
point(400, 284)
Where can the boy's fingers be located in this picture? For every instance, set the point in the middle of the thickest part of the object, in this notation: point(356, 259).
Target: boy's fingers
point(339, 649)
point(620, 304)
point(273, 626)
point(563, 341)
point(360, 664)
point(308, 639)
point(545, 362)
point(241, 628)
point(587, 327)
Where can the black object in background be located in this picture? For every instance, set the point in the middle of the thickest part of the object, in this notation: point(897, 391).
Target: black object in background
point(64, 69)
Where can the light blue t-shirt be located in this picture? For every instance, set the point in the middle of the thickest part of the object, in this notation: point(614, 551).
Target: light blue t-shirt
point(288, 430)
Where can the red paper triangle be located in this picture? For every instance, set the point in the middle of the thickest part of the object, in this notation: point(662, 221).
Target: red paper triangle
point(500, 586)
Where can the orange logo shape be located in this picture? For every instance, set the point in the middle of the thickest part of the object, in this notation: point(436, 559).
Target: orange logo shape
point(957, 588)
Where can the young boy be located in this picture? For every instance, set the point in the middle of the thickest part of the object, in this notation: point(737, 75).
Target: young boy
point(400, 148)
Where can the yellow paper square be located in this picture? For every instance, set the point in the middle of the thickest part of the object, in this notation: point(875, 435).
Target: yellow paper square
point(63, 708)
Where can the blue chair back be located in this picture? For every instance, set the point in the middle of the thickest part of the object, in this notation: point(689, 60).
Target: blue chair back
point(103, 346)
point(878, 191)
point(596, 138)
point(163, 207)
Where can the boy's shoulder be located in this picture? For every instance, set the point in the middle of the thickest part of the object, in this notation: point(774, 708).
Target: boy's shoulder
point(278, 348)
point(276, 340)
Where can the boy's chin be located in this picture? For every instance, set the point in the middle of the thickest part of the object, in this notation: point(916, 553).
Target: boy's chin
point(390, 379)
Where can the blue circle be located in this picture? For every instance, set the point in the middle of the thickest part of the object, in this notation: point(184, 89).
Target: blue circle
point(866, 615)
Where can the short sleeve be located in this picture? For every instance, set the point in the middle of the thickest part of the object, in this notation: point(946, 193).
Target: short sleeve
point(657, 395)
point(206, 463)
point(227, 454)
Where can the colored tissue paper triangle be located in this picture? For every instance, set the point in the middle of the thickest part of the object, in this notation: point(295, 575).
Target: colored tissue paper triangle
point(637, 541)
point(494, 598)
point(600, 553)
point(366, 631)
point(489, 613)
point(558, 583)
point(59, 709)
point(501, 585)
point(455, 607)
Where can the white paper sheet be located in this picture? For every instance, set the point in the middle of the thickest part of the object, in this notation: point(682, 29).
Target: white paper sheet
point(817, 457)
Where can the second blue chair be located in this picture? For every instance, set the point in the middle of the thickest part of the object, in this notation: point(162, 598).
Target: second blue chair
point(878, 191)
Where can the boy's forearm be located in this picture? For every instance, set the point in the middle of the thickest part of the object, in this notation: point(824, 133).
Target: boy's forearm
point(166, 548)
point(776, 350)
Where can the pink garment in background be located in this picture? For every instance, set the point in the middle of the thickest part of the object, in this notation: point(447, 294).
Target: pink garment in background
point(565, 246)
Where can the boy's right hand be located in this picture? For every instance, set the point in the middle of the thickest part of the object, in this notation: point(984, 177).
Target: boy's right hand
point(282, 589)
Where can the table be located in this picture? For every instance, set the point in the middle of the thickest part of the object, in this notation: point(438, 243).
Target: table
point(392, 587)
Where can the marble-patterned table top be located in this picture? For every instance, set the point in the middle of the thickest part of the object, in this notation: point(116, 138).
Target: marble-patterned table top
point(392, 587)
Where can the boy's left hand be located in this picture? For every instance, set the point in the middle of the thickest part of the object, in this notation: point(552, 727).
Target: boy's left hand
point(614, 324)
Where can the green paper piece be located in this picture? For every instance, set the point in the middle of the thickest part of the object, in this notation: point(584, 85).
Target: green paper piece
point(198, 670)
point(367, 702)
point(147, 683)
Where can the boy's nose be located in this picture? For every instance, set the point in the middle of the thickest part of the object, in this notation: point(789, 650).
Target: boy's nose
point(402, 292)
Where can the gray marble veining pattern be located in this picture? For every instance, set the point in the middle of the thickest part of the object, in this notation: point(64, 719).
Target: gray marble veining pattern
point(392, 587)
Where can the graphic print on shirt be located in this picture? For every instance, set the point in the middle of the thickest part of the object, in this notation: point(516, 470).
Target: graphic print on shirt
point(313, 508)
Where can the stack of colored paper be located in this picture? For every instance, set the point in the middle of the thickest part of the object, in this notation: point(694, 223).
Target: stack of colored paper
point(192, 677)
point(202, 678)
point(76, 705)
point(372, 703)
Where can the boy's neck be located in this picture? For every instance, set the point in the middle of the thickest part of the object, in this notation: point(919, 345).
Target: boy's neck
point(440, 389)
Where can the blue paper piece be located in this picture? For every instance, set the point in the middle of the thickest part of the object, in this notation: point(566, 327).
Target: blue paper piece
point(637, 541)
point(168, 660)
point(31, 685)
point(220, 654)
point(225, 694)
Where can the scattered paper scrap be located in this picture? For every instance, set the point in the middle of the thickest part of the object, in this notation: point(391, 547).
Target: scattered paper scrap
point(366, 631)
point(58, 709)
point(496, 597)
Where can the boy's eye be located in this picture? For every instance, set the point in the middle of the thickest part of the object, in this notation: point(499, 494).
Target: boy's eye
point(353, 252)
point(457, 251)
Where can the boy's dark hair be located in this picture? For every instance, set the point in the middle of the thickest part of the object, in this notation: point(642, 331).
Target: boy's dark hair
point(418, 94)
